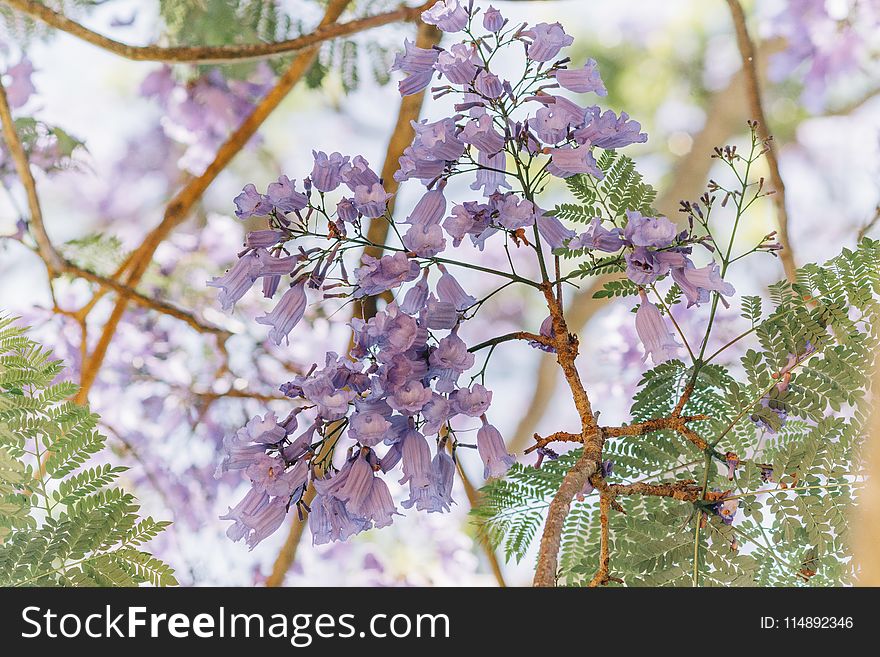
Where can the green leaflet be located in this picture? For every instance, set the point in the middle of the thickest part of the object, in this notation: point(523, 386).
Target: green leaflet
point(69, 526)
point(795, 534)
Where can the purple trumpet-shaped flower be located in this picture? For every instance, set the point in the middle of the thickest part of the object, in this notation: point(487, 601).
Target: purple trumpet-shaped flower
point(416, 297)
point(235, 283)
point(488, 84)
point(449, 360)
point(493, 21)
point(644, 265)
point(515, 212)
point(269, 473)
point(368, 428)
point(358, 172)
point(331, 402)
point(416, 456)
point(553, 232)
point(490, 444)
point(450, 291)
point(658, 232)
point(286, 314)
point(447, 15)
point(658, 342)
point(546, 331)
point(567, 161)
point(697, 283)
point(458, 64)
point(582, 80)
point(726, 510)
point(329, 521)
point(472, 402)
point(437, 496)
point(250, 203)
point(346, 210)
point(262, 239)
point(256, 517)
point(284, 197)
point(436, 413)
point(439, 315)
point(366, 495)
point(20, 88)
point(551, 124)
point(371, 201)
point(598, 238)
point(418, 64)
point(606, 130)
point(547, 39)
point(429, 210)
point(468, 218)
point(327, 171)
point(491, 174)
point(481, 132)
point(425, 240)
point(437, 140)
point(409, 398)
point(378, 275)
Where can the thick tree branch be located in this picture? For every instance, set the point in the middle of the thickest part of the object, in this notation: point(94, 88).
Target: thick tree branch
point(213, 54)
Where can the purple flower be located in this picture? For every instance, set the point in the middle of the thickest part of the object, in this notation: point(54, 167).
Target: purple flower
point(606, 467)
point(284, 197)
point(250, 203)
point(607, 131)
point(437, 140)
point(567, 161)
point(473, 402)
point(416, 457)
point(490, 444)
point(546, 41)
point(514, 212)
point(20, 88)
point(447, 15)
point(331, 402)
point(553, 232)
point(491, 174)
point(448, 361)
point(439, 315)
point(429, 210)
point(261, 239)
point(346, 210)
point(648, 231)
point(726, 510)
point(582, 80)
point(458, 64)
point(371, 201)
point(425, 240)
point(659, 343)
point(418, 63)
point(327, 171)
point(436, 413)
point(644, 265)
point(378, 275)
point(329, 521)
point(766, 473)
point(416, 297)
point(358, 172)
point(546, 331)
point(256, 517)
point(551, 124)
point(450, 291)
point(368, 428)
point(493, 21)
point(697, 283)
point(481, 133)
point(488, 84)
point(286, 314)
point(469, 218)
point(409, 398)
point(598, 238)
point(365, 494)
point(437, 496)
point(269, 474)
point(732, 464)
point(237, 280)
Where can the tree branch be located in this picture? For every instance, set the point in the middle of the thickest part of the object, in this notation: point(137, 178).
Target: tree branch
point(179, 207)
point(756, 108)
point(213, 54)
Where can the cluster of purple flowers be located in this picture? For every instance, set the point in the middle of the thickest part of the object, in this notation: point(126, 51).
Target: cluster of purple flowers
point(400, 388)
